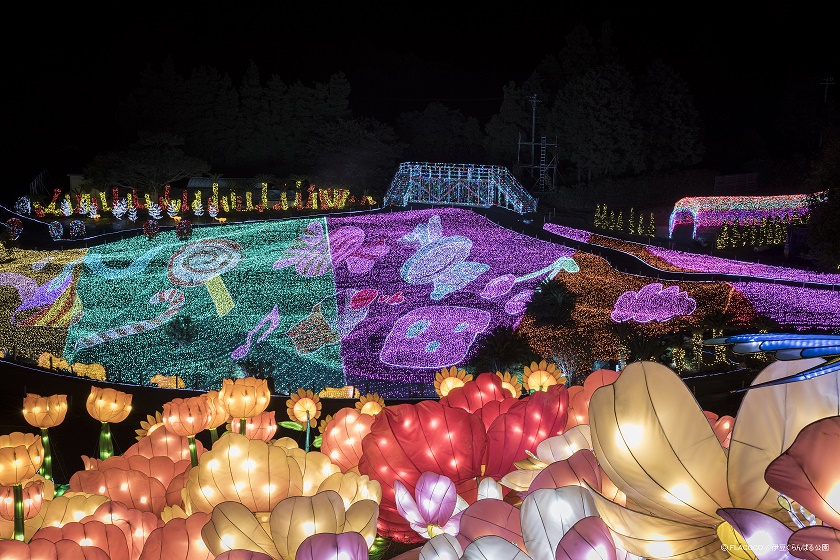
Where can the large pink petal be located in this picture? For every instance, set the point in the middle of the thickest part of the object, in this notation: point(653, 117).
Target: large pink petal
point(490, 517)
point(322, 546)
point(807, 471)
point(815, 543)
point(757, 529)
point(406, 505)
point(178, 539)
point(582, 465)
point(536, 417)
point(473, 395)
point(436, 498)
point(589, 538)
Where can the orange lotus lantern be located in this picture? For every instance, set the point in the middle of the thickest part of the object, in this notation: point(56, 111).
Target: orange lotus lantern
point(45, 413)
point(244, 397)
point(20, 458)
point(304, 407)
point(187, 417)
point(218, 414)
point(263, 426)
point(108, 406)
point(370, 404)
point(448, 379)
point(541, 376)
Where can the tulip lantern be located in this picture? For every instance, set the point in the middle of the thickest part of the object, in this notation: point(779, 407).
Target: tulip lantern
point(20, 458)
point(187, 417)
point(218, 414)
point(244, 397)
point(45, 413)
point(108, 406)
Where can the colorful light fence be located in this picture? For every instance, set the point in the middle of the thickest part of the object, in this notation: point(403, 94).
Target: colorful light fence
point(714, 211)
point(459, 184)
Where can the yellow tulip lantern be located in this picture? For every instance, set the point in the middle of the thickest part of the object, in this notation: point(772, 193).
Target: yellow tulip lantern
point(304, 407)
point(218, 414)
point(187, 417)
point(244, 398)
point(108, 406)
point(20, 458)
point(45, 413)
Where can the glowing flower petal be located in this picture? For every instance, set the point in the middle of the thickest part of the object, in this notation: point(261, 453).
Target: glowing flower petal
point(588, 539)
point(548, 514)
point(347, 546)
point(441, 547)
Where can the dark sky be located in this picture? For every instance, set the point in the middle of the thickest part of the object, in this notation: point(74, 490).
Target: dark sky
point(69, 64)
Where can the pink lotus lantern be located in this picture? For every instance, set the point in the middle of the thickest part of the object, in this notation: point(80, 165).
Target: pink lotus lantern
point(38, 549)
point(131, 487)
point(105, 536)
point(434, 509)
point(476, 393)
point(262, 426)
point(341, 439)
point(32, 497)
point(186, 418)
point(815, 543)
point(178, 539)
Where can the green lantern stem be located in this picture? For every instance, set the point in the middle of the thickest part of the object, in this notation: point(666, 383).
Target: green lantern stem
point(193, 451)
point(46, 466)
point(307, 431)
point(106, 445)
point(214, 435)
point(17, 490)
point(242, 426)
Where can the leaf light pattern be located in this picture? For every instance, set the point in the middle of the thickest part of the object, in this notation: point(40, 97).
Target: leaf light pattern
point(652, 303)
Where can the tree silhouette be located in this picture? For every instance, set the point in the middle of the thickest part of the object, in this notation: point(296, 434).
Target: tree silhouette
point(502, 349)
point(552, 303)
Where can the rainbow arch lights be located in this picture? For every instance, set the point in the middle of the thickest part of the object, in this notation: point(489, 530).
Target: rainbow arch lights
point(460, 184)
point(714, 211)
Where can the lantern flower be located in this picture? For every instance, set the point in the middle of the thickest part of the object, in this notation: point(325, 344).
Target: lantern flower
point(511, 384)
point(282, 532)
point(549, 451)
point(263, 426)
point(342, 435)
point(807, 471)
point(218, 414)
point(540, 376)
point(244, 397)
point(492, 528)
point(186, 418)
point(347, 546)
point(33, 498)
point(304, 407)
point(448, 379)
point(435, 507)
point(20, 458)
point(654, 442)
point(108, 406)
point(149, 425)
point(370, 404)
point(45, 413)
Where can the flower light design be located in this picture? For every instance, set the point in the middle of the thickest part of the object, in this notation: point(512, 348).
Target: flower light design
point(304, 407)
point(108, 406)
point(511, 383)
point(45, 413)
point(370, 404)
point(449, 378)
point(653, 302)
point(218, 414)
point(263, 426)
point(541, 376)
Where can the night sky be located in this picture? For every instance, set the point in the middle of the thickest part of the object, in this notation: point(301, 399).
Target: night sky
point(70, 64)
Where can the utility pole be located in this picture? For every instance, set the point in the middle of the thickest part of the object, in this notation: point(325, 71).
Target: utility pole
point(534, 101)
point(827, 81)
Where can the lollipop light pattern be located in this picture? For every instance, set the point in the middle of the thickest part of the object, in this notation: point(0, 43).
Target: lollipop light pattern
point(45, 413)
point(201, 263)
point(107, 405)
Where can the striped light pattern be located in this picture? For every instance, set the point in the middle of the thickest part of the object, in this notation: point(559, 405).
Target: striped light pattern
point(714, 211)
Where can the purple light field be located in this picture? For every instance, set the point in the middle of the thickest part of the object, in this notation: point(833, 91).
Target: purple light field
point(792, 306)
point(447, 276)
